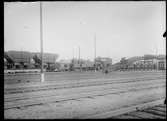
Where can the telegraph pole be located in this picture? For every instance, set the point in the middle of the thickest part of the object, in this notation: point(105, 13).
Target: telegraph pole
point(73, 54)
point(79, 58)
point(78, 54)
point(41, 43)
point(164, 35)
point(95, 51)
point(72, 62)
point(73, 57)
point(157, 58)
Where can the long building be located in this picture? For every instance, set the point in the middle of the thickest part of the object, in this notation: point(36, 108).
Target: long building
point(24, 59)
point(146, 62)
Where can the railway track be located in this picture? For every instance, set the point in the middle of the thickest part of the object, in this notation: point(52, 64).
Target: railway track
point(153, 112)
point(101, 98)
point(147, 110)
point(42, 101)
point(74, 84)
point(35, 78)
point(18, 102)
point(116, 85)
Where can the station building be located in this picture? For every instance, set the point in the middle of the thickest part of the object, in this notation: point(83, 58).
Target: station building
point(151, 62)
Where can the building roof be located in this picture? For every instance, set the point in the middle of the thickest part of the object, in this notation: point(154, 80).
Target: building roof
point(47, 57)
point(104, 59)
point(65, 61)
point(135, 58)
point(20, 56)
point(25, 57)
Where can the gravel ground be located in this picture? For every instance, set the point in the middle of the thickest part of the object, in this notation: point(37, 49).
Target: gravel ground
point(83, 108)
point(88, 106)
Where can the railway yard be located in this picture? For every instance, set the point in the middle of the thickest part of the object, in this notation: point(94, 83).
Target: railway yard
point(155, 112)
point(83, 95)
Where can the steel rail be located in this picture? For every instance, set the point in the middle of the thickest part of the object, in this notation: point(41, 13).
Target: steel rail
point(53, 99)
point(45, 93)
point(73, 85)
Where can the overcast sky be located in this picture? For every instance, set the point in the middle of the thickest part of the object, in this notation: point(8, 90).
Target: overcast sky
point(123, 29)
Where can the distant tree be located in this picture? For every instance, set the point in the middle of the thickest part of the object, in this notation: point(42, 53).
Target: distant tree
point(57, 65)
point(37, 60)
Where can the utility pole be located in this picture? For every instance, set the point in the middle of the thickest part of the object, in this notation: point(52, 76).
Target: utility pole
point(73, 54)
point(79, 58)
point(78, 54)
point(157, 57)
point(164, 35)
point(22, 63)
point(95, 51)
point(72, 62)
point(41, 43)
point(73, 57)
